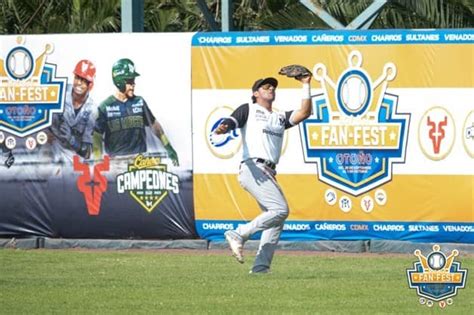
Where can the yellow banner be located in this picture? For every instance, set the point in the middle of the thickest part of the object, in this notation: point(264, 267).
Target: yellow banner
point(430, 198)
point(238, 67)
point(387, 151)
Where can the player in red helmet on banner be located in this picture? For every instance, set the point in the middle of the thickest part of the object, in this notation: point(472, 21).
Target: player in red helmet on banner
point(73, 128)
point(122, 118)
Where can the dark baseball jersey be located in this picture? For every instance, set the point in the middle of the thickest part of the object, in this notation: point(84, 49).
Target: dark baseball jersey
point(123, 125)
point(262, 131)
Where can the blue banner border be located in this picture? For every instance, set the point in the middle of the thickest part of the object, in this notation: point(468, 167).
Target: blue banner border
point(456, 232)
point(335, 37)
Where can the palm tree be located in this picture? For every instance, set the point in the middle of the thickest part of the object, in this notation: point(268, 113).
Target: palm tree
point(97, 16)
point(173, 16)
point(395, 14)
point(56, 16)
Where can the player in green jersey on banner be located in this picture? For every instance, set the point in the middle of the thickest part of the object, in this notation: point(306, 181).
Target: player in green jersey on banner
point(122, 118)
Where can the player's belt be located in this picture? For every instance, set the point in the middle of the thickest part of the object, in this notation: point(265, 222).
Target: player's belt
point(268, 163)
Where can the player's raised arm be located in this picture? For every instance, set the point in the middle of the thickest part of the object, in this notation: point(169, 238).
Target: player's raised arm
point(305, 110)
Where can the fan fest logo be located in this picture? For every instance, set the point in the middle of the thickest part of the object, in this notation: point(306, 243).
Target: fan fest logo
point(30, 92)
point(147, 181)
point(355, 132)
point(436, 277)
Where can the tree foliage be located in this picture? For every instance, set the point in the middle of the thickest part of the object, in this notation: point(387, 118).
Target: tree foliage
point(395, 14)
point(96, 16)
point(56, 16)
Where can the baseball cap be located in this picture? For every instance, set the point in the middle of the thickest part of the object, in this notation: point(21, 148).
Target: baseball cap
point(261, 82)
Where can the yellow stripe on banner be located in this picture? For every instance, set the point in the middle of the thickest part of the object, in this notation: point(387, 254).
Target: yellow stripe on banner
point(418, 65)
point(429, 198)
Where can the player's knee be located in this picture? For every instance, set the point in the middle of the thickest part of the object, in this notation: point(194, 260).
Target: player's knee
point(283, 214)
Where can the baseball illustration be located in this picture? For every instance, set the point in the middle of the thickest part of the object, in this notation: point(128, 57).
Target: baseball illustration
point(354, 93)
point(20, 63)
point(436, 261)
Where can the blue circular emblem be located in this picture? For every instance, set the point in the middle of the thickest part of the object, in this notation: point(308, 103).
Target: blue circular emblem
point(20, 63)
point(224, 140)
point(354, 92)
point(436, 261)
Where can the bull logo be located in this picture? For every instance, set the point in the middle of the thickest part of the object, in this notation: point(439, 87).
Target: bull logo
point(436, 133)
point(92, 186)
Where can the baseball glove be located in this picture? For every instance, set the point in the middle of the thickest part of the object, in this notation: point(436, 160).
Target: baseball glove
point(295, 71)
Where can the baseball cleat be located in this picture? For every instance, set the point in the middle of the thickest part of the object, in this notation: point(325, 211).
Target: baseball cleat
point(263, 272)
point(235, 244)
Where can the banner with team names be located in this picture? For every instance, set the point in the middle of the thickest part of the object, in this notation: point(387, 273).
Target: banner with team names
point(386, 154)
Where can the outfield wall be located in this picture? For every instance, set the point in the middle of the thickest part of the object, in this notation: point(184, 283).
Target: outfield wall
point(387, 154)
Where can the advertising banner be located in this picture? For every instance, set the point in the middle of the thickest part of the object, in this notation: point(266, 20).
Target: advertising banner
point(388, 152)
point(95, 136)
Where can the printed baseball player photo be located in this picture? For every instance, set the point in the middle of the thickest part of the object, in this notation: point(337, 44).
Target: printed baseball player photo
point(59, 105)
point(262, 130)
point(72, 130)
point(123, 116)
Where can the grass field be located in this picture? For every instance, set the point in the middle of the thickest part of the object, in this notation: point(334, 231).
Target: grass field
point(196, 282)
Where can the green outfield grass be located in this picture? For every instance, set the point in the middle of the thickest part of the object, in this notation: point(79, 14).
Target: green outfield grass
point(191, 282)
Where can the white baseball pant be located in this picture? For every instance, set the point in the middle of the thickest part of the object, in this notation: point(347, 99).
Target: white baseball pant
point(259, 180)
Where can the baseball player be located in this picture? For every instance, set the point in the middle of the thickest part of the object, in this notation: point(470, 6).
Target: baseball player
point(123, 117)
point(262, 135)
point(73, 128)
